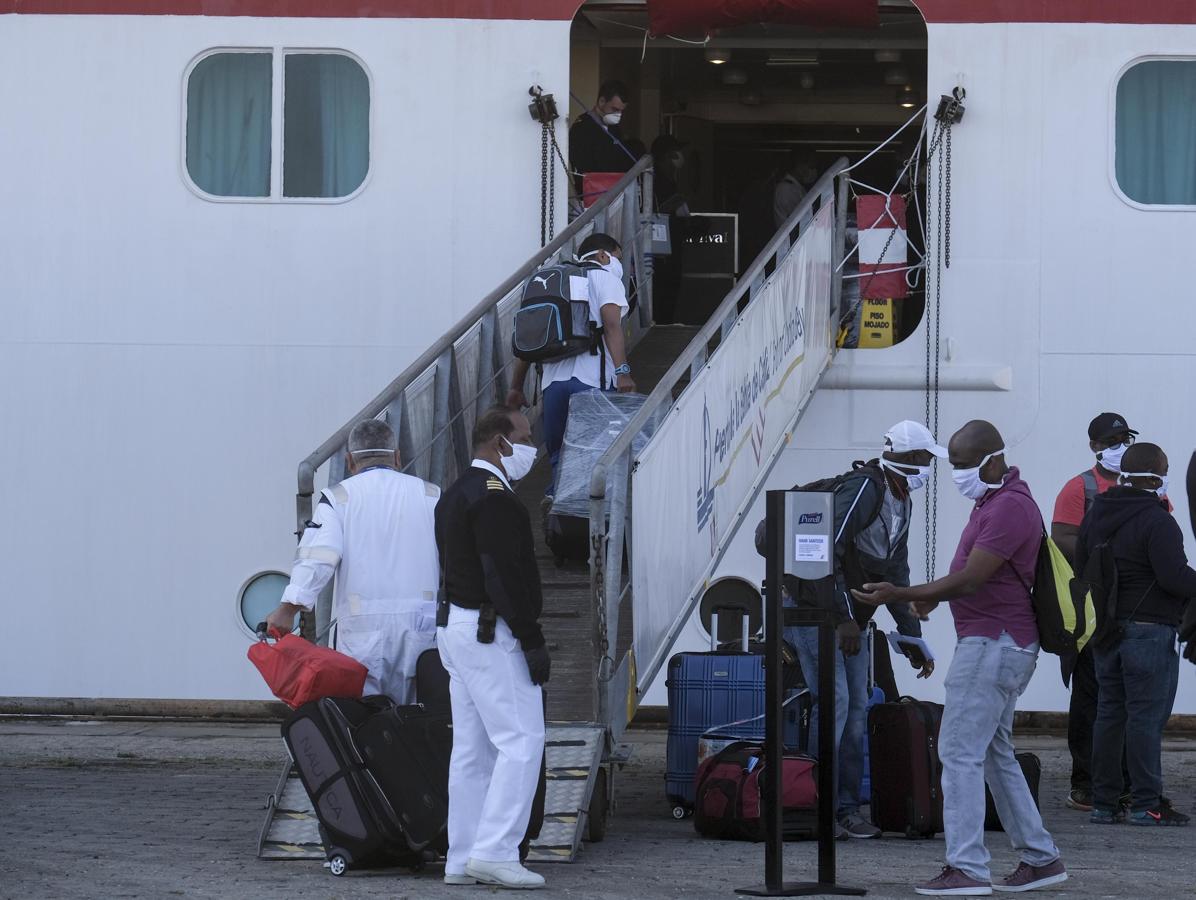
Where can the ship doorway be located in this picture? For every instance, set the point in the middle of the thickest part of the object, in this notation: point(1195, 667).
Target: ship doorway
point(749, 107)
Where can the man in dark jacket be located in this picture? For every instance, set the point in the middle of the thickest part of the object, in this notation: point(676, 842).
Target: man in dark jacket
point(1136, 656)
point(872, 521)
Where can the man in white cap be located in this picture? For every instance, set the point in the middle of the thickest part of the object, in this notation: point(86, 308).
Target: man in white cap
point(872, 521)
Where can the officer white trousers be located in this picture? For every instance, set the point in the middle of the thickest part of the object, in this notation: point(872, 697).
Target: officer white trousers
point(389, 644)
point(498, 742)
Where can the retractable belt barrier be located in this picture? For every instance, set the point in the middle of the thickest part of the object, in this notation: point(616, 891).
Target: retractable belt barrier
point(799, 543)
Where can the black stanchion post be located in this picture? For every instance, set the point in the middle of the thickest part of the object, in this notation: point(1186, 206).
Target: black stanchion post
point(775, 618)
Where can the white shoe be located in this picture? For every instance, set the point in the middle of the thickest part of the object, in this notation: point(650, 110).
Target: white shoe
point(460, 878)
point(503, 874)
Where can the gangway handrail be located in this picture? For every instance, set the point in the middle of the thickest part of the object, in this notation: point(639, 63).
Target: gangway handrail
point(608, 527)
point(432, 403)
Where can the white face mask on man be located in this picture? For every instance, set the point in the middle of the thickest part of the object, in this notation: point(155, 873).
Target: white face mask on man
point(1110, 457)
point(1161, 490)
point(615, 267)
point(968, 480)
point(914, 480)
point(520, 462)
point(612, 118)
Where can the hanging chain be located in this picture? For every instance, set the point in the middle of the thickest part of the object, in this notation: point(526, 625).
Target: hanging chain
point(545, 174)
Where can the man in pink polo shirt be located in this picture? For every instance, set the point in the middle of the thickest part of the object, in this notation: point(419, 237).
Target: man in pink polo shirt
point(995, 656)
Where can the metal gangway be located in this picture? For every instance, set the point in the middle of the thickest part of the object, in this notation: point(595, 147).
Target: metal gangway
point(607, 642)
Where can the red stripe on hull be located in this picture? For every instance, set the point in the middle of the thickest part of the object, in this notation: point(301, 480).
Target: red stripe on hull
point(1144, 12)
point(553, 10)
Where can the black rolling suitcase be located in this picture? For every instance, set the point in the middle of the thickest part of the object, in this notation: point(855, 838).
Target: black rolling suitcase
point(1032, 769)
point(907, 793)
point(376, 775)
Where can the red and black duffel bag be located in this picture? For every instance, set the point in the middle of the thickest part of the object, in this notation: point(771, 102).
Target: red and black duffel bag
point(727, 802)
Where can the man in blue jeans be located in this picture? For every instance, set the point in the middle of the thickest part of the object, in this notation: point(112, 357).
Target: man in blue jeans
point(872, 520)
point(995, 657)
point(563, 378)
point(1135, 653)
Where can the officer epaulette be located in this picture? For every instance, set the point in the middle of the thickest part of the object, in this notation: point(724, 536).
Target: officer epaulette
point(494, 484)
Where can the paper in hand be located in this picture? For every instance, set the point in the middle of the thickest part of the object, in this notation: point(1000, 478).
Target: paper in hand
point(898, 640)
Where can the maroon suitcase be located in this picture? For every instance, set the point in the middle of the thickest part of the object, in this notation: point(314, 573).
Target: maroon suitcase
point(907, 792)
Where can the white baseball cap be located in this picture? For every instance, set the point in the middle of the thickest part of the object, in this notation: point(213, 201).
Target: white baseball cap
point(906, 436)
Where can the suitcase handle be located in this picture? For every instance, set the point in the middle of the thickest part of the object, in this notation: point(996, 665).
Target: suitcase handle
point(263, 632)
point(744, 618)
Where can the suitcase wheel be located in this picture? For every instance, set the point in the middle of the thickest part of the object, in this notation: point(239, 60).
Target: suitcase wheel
point(680, 812)
point(337, 864)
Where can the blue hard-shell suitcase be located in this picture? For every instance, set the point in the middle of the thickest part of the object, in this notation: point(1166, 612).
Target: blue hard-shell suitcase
point(706, 691)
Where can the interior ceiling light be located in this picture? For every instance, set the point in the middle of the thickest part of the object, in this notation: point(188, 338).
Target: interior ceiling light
point(734, 76)
point(907, 97)
point(793, 58)
point(896, 76)
point(887, 56)
point(717, 57)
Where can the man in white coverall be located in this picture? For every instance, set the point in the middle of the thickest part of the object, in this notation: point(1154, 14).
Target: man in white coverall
point(376, 532)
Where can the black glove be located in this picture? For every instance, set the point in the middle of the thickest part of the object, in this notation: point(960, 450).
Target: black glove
point(1190, 651)
point(539, 663)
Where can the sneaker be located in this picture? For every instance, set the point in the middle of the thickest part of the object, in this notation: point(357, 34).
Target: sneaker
point(1079, 799)
point(1107, 817)
point(1160, 815)
point(459, 878)
point(857, 826)
point(503, 874)
point(953, 883)
point(1030, 878)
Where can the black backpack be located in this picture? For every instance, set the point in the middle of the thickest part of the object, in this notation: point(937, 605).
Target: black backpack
point(552, 321)
point(820, 593)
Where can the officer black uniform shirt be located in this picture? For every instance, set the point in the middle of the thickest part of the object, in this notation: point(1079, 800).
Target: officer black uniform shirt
point(487, 551)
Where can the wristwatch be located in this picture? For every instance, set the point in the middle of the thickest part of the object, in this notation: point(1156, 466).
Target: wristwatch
point(624, 369)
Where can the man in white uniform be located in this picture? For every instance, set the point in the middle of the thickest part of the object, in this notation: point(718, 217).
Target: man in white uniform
point(376, 532)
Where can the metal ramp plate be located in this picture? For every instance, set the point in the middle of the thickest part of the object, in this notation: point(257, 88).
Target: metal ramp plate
point(574, 753)
point(574, 756)
point(291, 830)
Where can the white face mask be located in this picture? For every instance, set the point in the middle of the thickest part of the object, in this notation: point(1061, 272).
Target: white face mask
point(1110, 457)
point(615, 267)
point(968, 480)
point(915, 480)
point(1161, 490)
point(613, 118)
point(520, 462)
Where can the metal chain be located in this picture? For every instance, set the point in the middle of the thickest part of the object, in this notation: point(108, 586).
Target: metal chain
point(544, 171)
point(938, 224)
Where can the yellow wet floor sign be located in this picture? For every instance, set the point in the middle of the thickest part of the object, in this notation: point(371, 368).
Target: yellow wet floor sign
point(876, 324)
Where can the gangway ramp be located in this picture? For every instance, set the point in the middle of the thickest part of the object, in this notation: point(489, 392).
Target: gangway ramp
point(730, 392)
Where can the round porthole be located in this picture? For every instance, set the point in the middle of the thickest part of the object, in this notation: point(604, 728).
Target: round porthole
point(259, 597)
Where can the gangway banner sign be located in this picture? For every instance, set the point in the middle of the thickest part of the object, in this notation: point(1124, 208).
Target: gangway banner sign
point(692, 479)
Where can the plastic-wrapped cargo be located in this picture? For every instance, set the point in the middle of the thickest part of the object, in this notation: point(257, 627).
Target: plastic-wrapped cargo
point(596, 419)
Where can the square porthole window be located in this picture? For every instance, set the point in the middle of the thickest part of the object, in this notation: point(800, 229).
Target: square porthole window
point(229, 99)
point(326, 125)
point(277, 125)
point(1155, 133)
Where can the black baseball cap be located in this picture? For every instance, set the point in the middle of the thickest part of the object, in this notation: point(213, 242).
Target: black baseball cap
point(1106, 425)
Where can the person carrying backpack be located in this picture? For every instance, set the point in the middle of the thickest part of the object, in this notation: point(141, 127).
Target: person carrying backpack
point(605, 368)
point(1109, 436)
point(1135, 652)
point(873, 510)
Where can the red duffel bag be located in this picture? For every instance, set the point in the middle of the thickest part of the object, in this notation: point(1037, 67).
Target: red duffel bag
point(727, 801)
point(298, 671)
